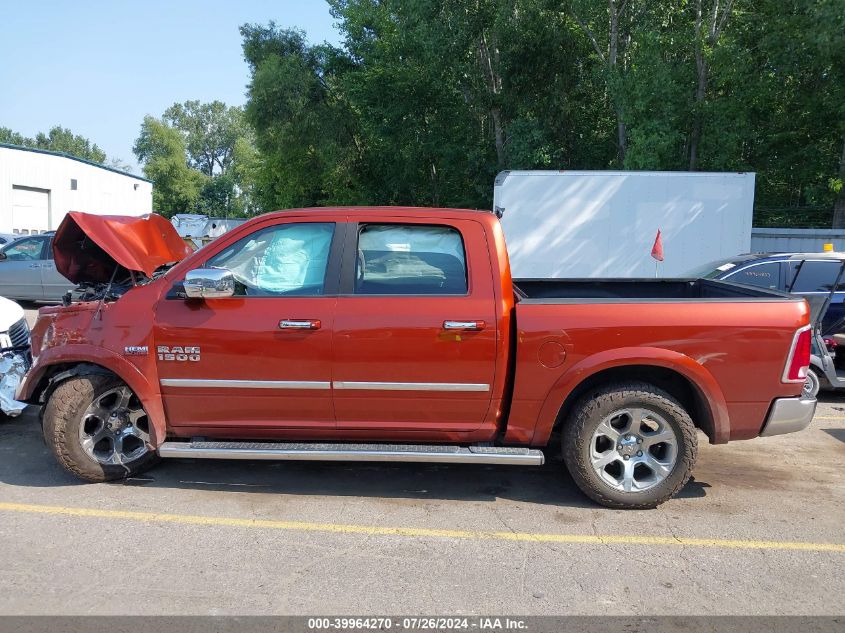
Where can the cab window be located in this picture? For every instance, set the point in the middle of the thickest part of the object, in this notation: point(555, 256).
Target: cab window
point(287, 259)
point(410, 259)
point(763, 275)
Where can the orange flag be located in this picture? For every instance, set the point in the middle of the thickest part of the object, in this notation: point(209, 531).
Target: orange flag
point(657, 249)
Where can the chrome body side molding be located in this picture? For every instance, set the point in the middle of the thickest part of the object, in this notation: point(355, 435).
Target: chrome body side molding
point(410, 386)
point(244, 384)
point(308, 384)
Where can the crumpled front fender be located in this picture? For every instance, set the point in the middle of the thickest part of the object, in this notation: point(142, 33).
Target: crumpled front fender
point(81, 354)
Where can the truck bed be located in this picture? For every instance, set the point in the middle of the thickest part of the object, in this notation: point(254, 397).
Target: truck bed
point(622, 290)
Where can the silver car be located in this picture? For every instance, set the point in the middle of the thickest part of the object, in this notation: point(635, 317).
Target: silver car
point(28, 272)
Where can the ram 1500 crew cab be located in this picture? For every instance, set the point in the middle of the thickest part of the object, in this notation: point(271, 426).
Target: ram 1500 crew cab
point(398, 334)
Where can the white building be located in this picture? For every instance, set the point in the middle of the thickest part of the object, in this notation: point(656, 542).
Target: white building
point(38, 187)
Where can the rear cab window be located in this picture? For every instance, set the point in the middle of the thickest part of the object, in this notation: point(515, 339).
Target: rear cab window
point(410, 259)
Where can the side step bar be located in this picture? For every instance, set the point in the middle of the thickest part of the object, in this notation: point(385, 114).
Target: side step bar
point(516, 456)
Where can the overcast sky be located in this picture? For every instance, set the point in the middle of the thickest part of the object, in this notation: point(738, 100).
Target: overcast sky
point(97, 67)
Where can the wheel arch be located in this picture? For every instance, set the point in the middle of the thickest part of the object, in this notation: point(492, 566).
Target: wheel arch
point(49, 372)
point(679, 375)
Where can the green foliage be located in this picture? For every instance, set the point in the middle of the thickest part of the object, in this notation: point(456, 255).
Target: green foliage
point(201, 159)
point(211, 131)
point(58, 139)
point(427, 99)
point(161, 149)
point(303, 128)
point(13, 138)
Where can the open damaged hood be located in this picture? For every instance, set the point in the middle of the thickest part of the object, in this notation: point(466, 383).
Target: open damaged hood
point(87, 247)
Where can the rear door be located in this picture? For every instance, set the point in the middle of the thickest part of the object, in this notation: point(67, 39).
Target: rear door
point(260, 361)
point(20, 271)
point(54, 285)
point(415, 331)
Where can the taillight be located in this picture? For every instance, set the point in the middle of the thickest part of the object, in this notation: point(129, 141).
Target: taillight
point(798, 360)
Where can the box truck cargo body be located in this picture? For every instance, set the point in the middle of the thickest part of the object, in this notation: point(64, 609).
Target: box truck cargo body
point(604, 223)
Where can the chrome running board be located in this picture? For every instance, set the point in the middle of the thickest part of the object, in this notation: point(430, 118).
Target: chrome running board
point(516, 456)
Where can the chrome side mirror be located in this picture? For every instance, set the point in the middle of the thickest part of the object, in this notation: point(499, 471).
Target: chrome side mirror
point(209, 283)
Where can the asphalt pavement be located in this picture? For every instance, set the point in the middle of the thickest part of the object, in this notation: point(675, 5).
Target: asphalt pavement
point(759, 530)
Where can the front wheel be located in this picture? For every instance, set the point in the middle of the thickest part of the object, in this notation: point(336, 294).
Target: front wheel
point(97, 428)
point(629, 445)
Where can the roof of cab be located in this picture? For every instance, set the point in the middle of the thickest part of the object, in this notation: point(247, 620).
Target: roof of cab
point(387, 211)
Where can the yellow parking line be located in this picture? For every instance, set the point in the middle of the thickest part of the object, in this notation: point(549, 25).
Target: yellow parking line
point(829, 417)
point(583, 539)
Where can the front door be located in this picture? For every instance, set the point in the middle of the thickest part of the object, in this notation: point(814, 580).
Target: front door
point(20, 270)
point(415, 331)
point(262, 359)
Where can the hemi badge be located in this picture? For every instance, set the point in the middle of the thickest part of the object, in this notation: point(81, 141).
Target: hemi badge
point(136, 350)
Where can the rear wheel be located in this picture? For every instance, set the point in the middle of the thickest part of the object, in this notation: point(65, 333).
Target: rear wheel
point(812, 384)
point(97, 428)
point(629, 445)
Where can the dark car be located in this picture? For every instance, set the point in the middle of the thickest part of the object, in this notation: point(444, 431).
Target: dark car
point(805, 274)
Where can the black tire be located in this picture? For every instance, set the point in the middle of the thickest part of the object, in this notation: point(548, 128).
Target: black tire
point(592, 409)
point(63, 415)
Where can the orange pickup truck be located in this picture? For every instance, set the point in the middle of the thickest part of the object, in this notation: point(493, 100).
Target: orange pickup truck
point(397, 334)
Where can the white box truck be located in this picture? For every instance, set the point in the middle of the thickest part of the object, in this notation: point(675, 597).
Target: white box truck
point(604, 223)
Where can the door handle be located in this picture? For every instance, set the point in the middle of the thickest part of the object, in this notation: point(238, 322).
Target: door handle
point(474, 326)
point(35, 265)
point(299, 324)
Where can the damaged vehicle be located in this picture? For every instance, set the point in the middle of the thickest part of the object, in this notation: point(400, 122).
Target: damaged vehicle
point(14, 355)
point(398, 334)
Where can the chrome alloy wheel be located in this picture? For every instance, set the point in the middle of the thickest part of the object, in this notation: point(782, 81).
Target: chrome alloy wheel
point(811, 385)
point(115, 428)
point(633, 449)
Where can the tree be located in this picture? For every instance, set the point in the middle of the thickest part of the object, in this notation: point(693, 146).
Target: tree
point(58, 139)
point(200, 159)
point(612, 34)
point(708, 32)
point(303, 127)
point(427, 99)
point(13, 138)
point(161, 149)
point(117, 163)
point(211, 131)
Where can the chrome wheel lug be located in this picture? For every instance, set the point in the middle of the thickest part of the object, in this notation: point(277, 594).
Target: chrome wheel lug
point(625, 457)
point(639, 440)
point(639, 453)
